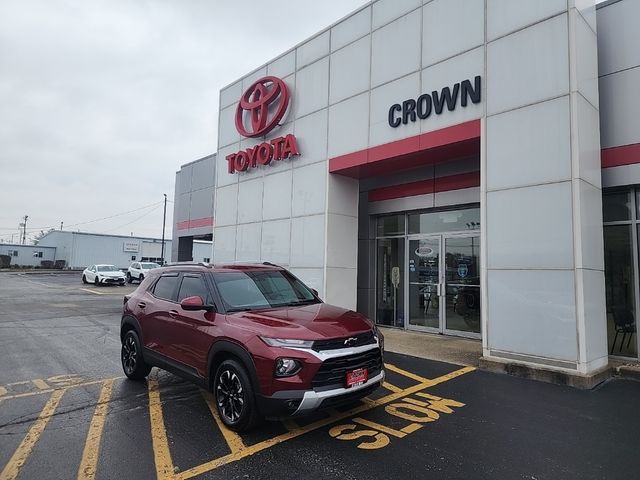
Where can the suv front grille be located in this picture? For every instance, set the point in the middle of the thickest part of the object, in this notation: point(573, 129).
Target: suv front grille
point(366, 338)
point(333, 371)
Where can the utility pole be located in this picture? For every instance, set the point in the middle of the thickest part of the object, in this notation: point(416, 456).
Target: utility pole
point(164, 220)
point(61, 224)
point(24, 230)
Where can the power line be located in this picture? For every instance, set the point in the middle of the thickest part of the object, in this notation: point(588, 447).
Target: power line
point(135, 220)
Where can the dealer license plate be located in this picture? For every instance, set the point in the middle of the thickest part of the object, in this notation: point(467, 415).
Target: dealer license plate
point(357, 377)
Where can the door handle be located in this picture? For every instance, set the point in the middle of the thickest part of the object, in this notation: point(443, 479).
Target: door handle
point(142, 304)
point(173, 313)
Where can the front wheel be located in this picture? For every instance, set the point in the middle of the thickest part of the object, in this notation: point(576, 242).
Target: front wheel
point(84, 279)
point(129, 279)
point(96, 282)
point(234, 396)
point(133, 364)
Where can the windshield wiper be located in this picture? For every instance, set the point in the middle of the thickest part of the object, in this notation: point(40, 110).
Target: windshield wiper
point(298, 303)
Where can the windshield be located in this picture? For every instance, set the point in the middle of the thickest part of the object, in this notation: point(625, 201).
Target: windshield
point(106, 268)
point(149, 266)
point(261, 289)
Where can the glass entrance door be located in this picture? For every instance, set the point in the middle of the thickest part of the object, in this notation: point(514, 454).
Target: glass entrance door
point(424, 272)
point(444, 284)
point(462, 285)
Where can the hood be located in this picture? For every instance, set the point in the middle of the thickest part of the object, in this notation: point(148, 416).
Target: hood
point(110, 274)
point(309, 322)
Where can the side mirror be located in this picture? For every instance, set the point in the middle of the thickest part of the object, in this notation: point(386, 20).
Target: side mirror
point(195, 303)
point(315, 292)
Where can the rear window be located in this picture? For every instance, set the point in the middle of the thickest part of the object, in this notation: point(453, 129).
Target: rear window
point(165, 287)
point(247, 290)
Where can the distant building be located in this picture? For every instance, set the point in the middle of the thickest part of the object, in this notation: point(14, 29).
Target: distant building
point(193, 208)
point(28, 255)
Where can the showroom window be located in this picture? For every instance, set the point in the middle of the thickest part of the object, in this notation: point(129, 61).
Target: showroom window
point(620, 208)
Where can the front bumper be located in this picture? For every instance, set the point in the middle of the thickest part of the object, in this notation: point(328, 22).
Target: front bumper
point(300, 402)
point(111, 281)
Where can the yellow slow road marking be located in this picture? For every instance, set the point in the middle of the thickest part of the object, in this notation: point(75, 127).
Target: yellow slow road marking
point(23, 451)
point(41, 384)
point(233, 439)
point(411, 375)
point(377, 426)
point(161, 452)
point(87, 469)
point(255, 448)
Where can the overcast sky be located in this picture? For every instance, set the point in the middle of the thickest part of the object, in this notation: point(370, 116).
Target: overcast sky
point(102, 101)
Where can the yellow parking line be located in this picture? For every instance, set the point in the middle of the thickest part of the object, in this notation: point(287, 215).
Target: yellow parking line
point(257, 447)
point(87, 469)
point(411, 375)
point(41, 384)
point(49, 390)
point(391, 387)
point(232, 438)
point(161, 452)
point(23, 451)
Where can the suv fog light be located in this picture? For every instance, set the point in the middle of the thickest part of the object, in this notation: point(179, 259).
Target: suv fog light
point(285, 367)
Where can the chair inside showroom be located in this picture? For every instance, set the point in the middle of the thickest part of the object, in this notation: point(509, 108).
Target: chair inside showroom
point(624, 324)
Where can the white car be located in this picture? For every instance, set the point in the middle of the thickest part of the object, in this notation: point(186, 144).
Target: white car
point(138, 270)
point(103, 274)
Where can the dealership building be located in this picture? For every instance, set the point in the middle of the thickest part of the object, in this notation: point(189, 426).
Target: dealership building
point(444, 166)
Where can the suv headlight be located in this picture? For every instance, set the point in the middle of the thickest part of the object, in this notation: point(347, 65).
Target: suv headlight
point(287, 343)
point(286, 367)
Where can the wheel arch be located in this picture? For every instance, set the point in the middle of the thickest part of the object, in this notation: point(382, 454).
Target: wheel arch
point(130, 323)
point(225, 350)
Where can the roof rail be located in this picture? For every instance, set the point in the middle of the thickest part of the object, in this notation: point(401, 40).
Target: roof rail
point(186, 263)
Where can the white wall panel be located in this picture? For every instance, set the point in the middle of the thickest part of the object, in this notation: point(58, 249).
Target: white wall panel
point(230, 94)
point(590, 248)
point(342, 241)
point(349, 73)
point(595, 315)
point(343, 195)
point(530, 227)
point(396, 49)
point(250, 201)
point(309, 189)
point(283, 66)
point(533, 312)
point(277, 196)
point(586, 58)
point(586, 8)
point(385, 11)
point(276, 242)
point(619, 108)
point(248, 242)
point(308, 241)
point(311, 134)
point(341, 287)
point(528, 66)
point(227, 205)
point(348, 125)
point(223, 177)
point(312, 278)
point(381, 100)
point(446, 74)
point(538, 148)
point(224, 244)
point(252, 77)
point(227, 132)
point(313, 49)
point(589, 167)
point(505, 16)
point(617, 31)
point(451, 27)
point(351, 28)
point(312, 88)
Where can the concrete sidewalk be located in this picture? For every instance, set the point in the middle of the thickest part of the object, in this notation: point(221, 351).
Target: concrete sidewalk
point(456, 350)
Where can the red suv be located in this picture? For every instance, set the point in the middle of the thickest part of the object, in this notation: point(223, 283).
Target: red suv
point(254, 335)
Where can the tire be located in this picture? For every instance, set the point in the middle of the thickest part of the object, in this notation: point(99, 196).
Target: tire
point(84, 279)
point(96, 282)
point(240, 412)
point(140, 278)
point(131, 358)
point(129, 279)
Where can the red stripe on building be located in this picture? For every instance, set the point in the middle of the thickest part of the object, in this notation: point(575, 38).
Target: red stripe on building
point(618, 156)
point(432, 185)
point(451, 143)
point(195, 223)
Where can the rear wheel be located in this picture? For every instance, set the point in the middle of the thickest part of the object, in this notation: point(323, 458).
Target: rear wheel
point(129, 279)
point(234, 396)
point(133, 364)
point(140, 278)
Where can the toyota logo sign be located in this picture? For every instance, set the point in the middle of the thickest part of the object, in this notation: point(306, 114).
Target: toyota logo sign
point(261, 107)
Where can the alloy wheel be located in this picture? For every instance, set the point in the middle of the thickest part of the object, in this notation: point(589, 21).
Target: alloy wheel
point(129, 355)
point(230, 395)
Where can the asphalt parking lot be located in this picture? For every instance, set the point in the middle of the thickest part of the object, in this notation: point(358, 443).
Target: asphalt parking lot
point(67, 412)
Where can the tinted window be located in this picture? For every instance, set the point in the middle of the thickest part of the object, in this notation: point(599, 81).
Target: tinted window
point(193, 286)
point(166, 288)
point(261, 289)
